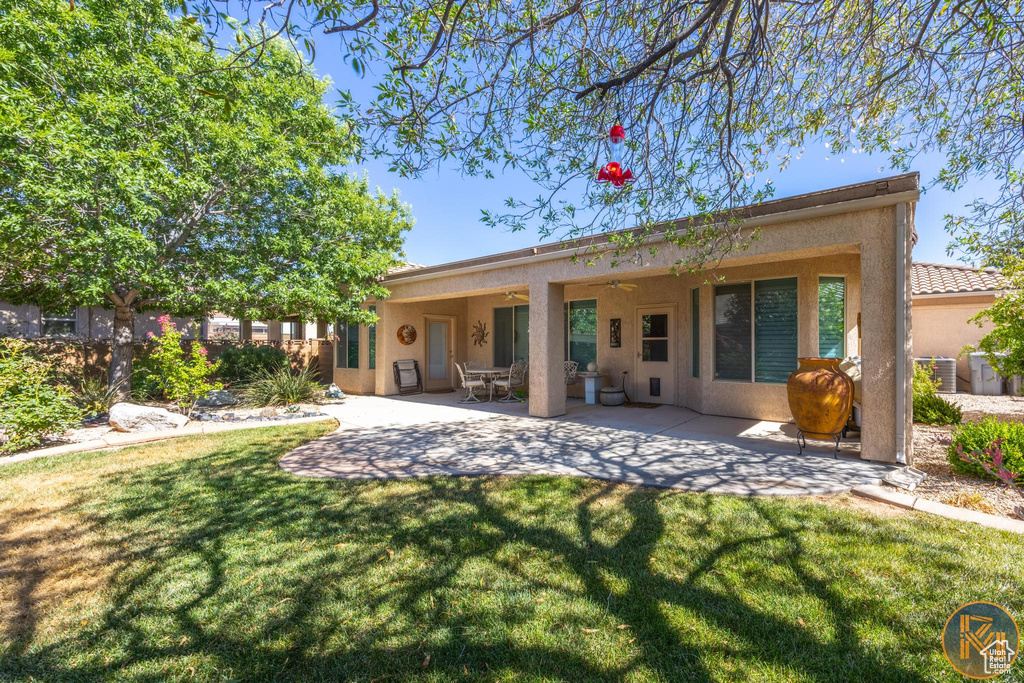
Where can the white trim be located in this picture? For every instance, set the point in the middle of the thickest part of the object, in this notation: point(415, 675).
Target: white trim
point(771, 219)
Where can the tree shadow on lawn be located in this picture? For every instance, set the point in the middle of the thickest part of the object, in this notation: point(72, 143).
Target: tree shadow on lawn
point(232, 568)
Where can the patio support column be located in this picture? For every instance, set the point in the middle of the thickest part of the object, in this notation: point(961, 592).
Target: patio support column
point(273, 330)
point(547, 353)
point(387, 349)
point(881, 343)
point(244, 330)
point(321, 328)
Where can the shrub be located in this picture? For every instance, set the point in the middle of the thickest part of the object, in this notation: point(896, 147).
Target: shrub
point(146, 385)
point(923, 383)
point(932, 409)
point(183, 380)
point(31, 404)
point(243, 363)
point(94, 396)
point(973, 437)
point(280, 388)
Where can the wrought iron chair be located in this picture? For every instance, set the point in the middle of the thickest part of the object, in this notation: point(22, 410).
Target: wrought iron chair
point(571, 367)
point(516, 378)
point(470, 385)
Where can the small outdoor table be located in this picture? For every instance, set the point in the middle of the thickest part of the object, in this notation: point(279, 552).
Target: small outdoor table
point(592, 382)
point(487, 374)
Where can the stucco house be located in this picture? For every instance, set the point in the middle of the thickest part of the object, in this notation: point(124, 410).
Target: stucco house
point(81, 322)
point(829, 276)
point(944, 298)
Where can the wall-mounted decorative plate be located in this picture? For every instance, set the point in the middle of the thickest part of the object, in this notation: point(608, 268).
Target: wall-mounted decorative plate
point(407, 334)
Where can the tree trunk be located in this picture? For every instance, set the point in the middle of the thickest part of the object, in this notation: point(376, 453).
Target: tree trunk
point(122, 349)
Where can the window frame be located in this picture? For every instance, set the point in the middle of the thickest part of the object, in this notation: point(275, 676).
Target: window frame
point(753, 329)
point(846, 301)
point(72, 318)
point(371, 342)
point(512, 341)
point(695, 332)
point(342, 340)
point(597, 328)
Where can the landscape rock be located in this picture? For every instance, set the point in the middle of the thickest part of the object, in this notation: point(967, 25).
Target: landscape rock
point(217, 399)
point(130, 417)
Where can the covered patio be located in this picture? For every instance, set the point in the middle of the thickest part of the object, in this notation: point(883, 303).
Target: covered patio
point(667, 446)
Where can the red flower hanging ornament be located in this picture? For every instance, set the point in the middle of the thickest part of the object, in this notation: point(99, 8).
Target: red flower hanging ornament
point(612, 171)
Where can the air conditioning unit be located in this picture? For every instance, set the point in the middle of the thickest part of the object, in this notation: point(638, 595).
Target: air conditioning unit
point(943, 369)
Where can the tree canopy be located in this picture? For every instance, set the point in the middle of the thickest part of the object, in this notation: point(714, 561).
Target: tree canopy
point(715, 95)
point(138, 170)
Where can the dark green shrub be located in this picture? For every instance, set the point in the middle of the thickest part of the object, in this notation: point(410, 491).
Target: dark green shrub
point(281, 388)
point(32, 405)
point(976, 436)
point(932, 409)
point(146, 383)
point(243, 363)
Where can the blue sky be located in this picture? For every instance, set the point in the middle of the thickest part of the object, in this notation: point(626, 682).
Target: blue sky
point(447, 206)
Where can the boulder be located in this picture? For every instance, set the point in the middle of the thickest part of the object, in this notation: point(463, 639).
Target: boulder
point(217, 399)
point(130, 417)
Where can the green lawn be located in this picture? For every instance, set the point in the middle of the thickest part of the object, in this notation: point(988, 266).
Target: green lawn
point(198, 559)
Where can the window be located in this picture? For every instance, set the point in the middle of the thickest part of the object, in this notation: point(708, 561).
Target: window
point(581, 331)
point(832, 317)
point(511, 335)
point(695, 332)
point(290, 330)
point(775, 330)
point(371, 361)
point(60, 322)
point(654, 337)
point(732, 332)
point(347, 347)
point(756, 330)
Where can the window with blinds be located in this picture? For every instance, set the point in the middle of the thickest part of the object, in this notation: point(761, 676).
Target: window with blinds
point(347, 347)
point(775, 329)
point(832, 317)
point(581, 332)
point(732, 332)
point(695, 332)
point(371, 361)
point(511, 335)
point(756, 330)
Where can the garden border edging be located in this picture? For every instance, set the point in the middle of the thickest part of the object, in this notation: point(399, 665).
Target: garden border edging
point(910, 502)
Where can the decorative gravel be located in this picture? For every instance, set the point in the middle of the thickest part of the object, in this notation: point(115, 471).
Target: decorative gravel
point(942, 485)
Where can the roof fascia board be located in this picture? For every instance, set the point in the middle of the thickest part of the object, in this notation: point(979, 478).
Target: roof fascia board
point(862, 204)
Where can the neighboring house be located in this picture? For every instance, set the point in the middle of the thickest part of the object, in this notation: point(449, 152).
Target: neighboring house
point(944, 298)
point(829, 275)
point(83, 322)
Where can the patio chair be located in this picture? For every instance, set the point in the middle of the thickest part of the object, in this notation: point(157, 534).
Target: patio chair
point(470, 385)
point(571, 367)
point(473, 365)
point(516, 378)
point(407, 377)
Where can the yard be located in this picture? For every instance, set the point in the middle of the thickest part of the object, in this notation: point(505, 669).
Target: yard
point(199, 559)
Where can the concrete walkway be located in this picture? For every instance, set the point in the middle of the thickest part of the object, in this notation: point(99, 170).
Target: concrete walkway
point(666, 446)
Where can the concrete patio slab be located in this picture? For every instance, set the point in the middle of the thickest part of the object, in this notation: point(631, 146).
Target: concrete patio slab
point(433, 435)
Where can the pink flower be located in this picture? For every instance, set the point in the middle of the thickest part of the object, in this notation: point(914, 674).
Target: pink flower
point(202, 350)
point(164, 319)
point(150, 335)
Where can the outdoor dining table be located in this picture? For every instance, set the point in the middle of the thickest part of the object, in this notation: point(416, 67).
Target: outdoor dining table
point(487, 374)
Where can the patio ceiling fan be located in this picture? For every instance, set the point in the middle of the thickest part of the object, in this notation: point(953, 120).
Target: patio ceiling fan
point(515, 295)
point(617, 284)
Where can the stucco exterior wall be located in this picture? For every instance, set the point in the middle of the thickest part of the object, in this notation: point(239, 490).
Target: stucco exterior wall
point(93, 322)
point(859, 245)
point(941, 328)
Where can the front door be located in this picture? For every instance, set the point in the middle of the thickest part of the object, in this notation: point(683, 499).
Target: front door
point(656, 355)
point(440, 354)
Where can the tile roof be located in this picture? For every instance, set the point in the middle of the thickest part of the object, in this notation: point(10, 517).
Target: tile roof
point(405, 267)
point(941, 278)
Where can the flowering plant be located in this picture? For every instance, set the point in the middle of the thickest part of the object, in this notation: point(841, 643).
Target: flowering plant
point(184, 380)
point(990, 459)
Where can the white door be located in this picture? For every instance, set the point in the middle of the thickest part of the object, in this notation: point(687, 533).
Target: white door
point(656, 355)
point(440, 353)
